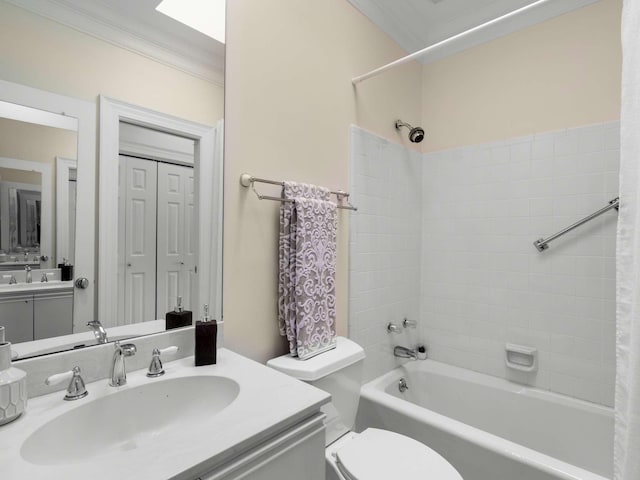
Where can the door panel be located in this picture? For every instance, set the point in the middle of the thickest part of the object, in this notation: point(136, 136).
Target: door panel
point(175, 200)
point(137, 249)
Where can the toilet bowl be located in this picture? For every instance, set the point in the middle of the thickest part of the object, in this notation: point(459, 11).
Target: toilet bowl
point(373, 454)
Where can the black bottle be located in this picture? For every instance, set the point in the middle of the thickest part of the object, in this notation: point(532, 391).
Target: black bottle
point(66, 270)
point(206, 336)
point(179, 317)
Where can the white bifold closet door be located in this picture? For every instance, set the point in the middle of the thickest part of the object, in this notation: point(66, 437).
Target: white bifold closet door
point(157, 244)
point(176, 267)
point(137, 240)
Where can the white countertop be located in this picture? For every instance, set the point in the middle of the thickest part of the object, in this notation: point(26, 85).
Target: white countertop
point(268, 402)
point(35, 287)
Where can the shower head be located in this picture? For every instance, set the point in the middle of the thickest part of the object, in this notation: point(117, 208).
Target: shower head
point(416, 134)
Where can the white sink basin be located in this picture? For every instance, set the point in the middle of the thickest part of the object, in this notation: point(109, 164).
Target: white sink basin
point(129, 418)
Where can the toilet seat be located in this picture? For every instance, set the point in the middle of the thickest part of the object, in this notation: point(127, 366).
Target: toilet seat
point(380, 455)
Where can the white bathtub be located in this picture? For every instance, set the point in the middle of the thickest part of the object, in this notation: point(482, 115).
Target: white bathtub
point(489, 428)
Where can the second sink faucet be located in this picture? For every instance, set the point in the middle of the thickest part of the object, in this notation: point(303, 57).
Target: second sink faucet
point(98, 331)
point(27, 273)
point(118, 367)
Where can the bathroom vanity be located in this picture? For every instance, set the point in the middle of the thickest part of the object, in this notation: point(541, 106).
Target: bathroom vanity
point(235, 419)
point(34, 311)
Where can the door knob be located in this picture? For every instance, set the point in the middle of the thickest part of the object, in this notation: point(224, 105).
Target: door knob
point(82, 283)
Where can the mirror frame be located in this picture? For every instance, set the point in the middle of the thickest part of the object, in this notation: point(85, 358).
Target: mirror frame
point(63, 166)
point(85, 114)
point(112, 112)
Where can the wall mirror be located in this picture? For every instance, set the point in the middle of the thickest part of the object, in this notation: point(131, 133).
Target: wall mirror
point(135, 208)
point(47, 144)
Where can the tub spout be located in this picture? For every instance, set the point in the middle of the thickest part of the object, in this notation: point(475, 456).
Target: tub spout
point(404, 352)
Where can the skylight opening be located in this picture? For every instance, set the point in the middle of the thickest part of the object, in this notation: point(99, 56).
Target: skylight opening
point(205, 16)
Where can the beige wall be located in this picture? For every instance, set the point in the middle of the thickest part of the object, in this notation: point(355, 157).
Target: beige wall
point(289, 106)
point(43, 54)
point(563, 73)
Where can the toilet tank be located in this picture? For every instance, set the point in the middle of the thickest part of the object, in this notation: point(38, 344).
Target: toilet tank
point(338, 372)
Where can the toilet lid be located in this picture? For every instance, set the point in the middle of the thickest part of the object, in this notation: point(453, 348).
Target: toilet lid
point(380, 454)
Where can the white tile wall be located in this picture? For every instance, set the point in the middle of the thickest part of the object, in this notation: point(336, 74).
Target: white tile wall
point(483, 282)
point(385, 243)
point(469, 270)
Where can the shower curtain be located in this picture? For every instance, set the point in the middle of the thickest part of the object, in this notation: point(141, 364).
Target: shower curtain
point(627, 403)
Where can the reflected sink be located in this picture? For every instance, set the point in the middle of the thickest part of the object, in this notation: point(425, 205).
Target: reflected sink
point(129, 418)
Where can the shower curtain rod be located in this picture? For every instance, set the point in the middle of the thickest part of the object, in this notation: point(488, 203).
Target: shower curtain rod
point(446, 41)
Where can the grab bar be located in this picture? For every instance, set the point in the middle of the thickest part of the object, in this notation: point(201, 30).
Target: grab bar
point(542, 243)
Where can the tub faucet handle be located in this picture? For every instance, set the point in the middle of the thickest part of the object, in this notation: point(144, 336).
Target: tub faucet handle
point(406, 323)
point(392, 328)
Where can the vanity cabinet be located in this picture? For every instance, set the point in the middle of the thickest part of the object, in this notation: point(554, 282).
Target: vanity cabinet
point(16, 315)
point(34, 316)
point(52, 315)
point(295, 453)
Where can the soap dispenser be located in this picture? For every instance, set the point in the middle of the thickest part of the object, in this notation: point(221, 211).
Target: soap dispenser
point(206, 333)
point(179, 317)
point(66, 271)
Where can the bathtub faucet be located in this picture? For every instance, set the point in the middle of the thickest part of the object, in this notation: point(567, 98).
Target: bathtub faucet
point(404, 352)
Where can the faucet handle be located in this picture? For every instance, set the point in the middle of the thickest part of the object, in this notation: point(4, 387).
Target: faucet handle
point(155, 367)
point(406, 323)
point(76, 388)
point(44, 278)
point(392, 328)
point(128, 349)
point(12, 279)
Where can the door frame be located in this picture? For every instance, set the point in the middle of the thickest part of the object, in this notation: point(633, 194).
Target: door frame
point(112, 112)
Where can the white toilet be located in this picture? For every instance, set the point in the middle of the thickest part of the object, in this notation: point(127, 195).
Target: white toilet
point(373, 454)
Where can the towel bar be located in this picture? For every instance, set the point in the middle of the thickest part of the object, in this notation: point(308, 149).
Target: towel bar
point(247, 180)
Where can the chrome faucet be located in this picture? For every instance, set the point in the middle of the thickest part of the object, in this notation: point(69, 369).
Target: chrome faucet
point(404, 352)
point(118, 368)
point(98, 331)
point(27, 271)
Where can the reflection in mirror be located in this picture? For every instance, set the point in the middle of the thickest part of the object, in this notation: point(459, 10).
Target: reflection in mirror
point(156, 247)
point(128, 50)
point(167, 175)
point(36, 299)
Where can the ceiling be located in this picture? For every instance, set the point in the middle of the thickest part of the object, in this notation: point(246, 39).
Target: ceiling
point(417, 24)
point(136, 25)
point(413, 24)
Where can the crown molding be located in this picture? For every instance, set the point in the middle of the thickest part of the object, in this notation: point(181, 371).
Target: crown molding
point(92, 19)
